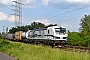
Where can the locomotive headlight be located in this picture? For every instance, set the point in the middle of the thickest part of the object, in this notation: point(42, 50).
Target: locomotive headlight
point(66, 34)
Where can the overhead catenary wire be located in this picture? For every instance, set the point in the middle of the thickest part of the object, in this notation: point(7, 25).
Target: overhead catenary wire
point(69, 16)
point(69, 11)
point(70, 19)
point(64, 20)
point(62, 9)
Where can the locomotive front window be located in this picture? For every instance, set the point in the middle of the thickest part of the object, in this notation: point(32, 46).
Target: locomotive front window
point(60, 30)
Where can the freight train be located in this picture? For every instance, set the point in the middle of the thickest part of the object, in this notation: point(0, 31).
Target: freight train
point(53, 35)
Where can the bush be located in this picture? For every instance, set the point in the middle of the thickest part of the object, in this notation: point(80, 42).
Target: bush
point(87, 41)
point(75, 39)
point(0, 35)
point(4, 43)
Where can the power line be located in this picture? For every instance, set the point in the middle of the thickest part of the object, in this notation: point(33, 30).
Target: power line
point(69, 19)
point(62, 9)
point(69, 11)
point(69, 16)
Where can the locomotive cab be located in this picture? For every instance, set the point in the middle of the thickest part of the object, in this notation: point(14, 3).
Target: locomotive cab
point(57, 35)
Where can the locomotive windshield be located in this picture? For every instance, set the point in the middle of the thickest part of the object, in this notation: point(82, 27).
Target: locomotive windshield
point(60, 30)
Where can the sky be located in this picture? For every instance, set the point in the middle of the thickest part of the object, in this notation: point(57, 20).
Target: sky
point(66, 13)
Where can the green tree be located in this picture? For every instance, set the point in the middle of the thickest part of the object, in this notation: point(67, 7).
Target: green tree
point(0, 35)
point(27, 27)
point(37, 25)
point(13, 30)
point(85, 25)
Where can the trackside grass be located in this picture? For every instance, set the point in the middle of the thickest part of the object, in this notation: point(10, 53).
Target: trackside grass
point(24, 51)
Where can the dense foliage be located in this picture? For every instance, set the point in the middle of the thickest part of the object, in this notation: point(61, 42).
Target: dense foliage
point(0, 35)
point(85, 25)
point(75, 39)
point(81, 38)
point(27, 27)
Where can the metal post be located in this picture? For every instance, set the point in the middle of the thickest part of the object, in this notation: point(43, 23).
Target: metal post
point(3, 28)
point(18, 12)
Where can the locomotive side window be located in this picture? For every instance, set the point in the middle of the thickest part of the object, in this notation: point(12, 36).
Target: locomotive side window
point(29, 35)
point(57, 30)
point(39, 32)
point(48, 31)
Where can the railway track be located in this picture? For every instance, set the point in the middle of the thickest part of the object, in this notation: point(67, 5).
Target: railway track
point(68, 47)
point(76, 48)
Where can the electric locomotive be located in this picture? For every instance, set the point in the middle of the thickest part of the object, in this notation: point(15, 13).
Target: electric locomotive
point(53, 35)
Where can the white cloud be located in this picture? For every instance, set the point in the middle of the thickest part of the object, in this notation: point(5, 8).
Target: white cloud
point(29, 1)
point(6, 2)
point(9, 2)
point(45, 2)
point(3, 16)
point(44, 21)
point(31, 6)
point(63, 2)
point(64, 24)
point(71, 26)
point(11, 18)
point(84, 1)
point(67, 25)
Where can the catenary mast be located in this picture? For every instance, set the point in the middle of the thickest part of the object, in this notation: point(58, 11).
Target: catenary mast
point(18, 12)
